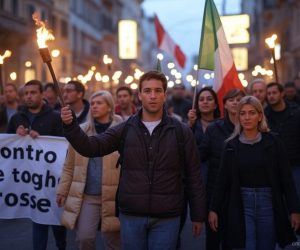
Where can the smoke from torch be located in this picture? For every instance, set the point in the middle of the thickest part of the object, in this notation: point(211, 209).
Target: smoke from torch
point(44, 35)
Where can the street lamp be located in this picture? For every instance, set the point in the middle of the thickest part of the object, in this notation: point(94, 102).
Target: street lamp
point(270, 41)
point(159, 57)
point(6, 54)
point(108, 62)
point(55, 53)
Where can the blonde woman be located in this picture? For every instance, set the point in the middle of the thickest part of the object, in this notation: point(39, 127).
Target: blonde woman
point(254, 185)
point(88, 186)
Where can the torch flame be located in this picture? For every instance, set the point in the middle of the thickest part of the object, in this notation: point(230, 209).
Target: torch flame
point(43, 35)
point(271, 41)
point(6, 54)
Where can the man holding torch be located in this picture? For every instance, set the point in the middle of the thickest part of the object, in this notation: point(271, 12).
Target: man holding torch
point(37, 111)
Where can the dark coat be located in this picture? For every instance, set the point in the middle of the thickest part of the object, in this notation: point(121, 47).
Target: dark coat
point(198, 132)
point(47, 121)
point(3, 119)
point(181, 106)
point(211, 148)
point(227, 201)
point(151, 175)
point(83, 116)
point(288, 129)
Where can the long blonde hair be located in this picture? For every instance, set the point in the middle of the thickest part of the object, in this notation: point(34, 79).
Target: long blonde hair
point(109, 101)
point(254, 102)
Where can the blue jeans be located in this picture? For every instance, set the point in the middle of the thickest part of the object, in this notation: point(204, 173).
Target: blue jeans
point(40, 236)
point(259, 218)
point(143, 233)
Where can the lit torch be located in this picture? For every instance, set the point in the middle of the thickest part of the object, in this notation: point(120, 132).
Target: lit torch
point(270, 41)
point(43, 35)
point(6, 54)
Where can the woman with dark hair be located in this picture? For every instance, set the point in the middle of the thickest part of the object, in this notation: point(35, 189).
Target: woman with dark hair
point(254, 193)
point(210, 150)
point(207, 108)
point(206, 111)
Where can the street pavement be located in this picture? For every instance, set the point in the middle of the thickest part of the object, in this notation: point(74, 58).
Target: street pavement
point(16, 235)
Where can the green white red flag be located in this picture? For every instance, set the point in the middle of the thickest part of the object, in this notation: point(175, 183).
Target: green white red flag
point(215, 54)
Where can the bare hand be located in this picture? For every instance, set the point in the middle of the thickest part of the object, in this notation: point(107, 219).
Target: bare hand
point(60, 200)
point(22, 131)
point(192, 117)
point(213, 220)
point(34, 134)
point(295, 221)
point(66, 115)
point(197, 228)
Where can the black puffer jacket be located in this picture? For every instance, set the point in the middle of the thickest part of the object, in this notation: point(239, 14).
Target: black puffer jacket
point(211, 148)
point(151, 175)
point(288, 129)
point(47, 121)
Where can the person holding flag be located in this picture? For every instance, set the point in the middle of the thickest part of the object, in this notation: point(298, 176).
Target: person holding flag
point(215, 54)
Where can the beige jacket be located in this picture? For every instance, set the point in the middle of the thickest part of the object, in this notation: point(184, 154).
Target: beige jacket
point(72, 184)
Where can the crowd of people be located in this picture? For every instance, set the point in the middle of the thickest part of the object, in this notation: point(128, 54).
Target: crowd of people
point(133, 169)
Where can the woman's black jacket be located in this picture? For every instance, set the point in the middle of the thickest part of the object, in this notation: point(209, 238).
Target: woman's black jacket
point(211, 149)
point(227, 202)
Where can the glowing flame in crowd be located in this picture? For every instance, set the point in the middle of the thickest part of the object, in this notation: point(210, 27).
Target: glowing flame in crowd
point(6, 54)
point(43, 35)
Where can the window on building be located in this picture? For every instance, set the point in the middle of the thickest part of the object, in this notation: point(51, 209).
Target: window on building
point(31, 10)
point(268, 4)
point(44, 15)
point(93, 50)
point(1, 4)
point(30, 74)
point(15, 7)
point(53, 23)
point(64, 28)
point(107, 23)
point(74, 41)
point(73, 5)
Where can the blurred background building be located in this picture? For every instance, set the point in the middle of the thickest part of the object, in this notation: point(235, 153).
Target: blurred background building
point(91, 47)
point(86, 45)
point(280, 17)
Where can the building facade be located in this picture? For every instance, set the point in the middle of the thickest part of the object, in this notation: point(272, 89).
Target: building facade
point(274, 17)
point(85, 31)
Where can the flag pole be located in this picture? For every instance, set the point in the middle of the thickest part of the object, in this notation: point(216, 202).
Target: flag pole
point(195, 89)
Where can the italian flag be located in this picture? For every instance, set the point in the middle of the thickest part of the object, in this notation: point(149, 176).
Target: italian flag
point(215, 54)
point(166, 43)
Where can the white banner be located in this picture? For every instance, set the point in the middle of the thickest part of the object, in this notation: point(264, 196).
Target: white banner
point(29, 174)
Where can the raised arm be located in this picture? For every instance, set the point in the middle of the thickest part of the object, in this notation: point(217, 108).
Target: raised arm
point(90, 146)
